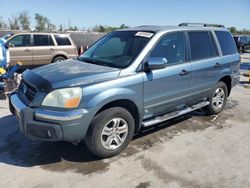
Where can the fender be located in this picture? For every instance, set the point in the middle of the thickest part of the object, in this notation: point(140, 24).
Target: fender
point(114, 94)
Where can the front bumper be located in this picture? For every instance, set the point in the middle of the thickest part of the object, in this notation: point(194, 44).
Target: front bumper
point(51, 125)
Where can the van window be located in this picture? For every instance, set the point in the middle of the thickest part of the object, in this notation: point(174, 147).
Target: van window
point(200, 45)
point(227, 43)
point(62, 40)
point(21, 41)
point(171, 47)
point(43, 40)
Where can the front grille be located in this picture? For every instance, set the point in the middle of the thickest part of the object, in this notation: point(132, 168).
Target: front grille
point(28, 91)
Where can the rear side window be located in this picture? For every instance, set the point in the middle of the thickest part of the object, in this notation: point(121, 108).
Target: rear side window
point(200, 45)
point(62, 40)
point(43, 40)
point(227, 43)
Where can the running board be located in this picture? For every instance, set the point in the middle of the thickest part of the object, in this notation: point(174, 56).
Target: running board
point(174, 114)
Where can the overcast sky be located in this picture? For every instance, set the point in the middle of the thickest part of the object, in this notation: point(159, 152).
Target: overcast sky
point(132, 12)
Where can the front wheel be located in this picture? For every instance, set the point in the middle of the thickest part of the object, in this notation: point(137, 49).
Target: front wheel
point(110, 132)
point(218, 99)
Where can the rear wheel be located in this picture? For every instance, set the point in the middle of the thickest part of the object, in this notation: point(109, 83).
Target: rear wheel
point(217, 99)
point(58, 58)
point(110, 132)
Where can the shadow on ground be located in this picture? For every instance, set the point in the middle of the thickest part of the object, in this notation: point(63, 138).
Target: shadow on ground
point(17, 150)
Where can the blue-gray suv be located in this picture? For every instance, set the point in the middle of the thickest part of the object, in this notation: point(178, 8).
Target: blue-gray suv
point(127, 80)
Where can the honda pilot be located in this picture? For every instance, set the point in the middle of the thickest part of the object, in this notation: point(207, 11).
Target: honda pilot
point(129, 79)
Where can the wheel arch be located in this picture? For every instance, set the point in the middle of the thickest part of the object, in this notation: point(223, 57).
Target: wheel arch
point(128, 105)
point(228, 81)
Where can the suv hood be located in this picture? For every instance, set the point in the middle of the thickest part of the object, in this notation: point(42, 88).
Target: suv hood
point(74, 73)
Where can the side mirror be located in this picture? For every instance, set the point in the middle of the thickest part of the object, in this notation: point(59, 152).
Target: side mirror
point(155, 63)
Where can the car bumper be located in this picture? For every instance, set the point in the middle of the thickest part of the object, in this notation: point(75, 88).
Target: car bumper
point(50, 125)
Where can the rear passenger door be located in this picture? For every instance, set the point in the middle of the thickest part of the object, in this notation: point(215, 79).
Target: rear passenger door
point(166, 89)
point(205, 64)
point(43, 49)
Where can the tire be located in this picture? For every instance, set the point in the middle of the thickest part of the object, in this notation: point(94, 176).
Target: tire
point(97, 139)
point(217, 99)
point(58, 58)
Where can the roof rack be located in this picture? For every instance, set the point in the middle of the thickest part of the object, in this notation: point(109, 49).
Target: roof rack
point(201, 24)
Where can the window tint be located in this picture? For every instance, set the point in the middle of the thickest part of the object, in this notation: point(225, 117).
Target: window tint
point(171, 47)
point(200, 45)
point(21, 40)
point(43, 40)
point(226, 41)
point(62, 40)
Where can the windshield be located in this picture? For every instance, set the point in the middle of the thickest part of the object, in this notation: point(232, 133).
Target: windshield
point(117, 49)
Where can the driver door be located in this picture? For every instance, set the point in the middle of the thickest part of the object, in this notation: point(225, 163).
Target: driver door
point(165, 90)
point(21, 49)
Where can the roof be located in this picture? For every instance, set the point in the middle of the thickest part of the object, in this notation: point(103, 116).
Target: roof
point(156, 28)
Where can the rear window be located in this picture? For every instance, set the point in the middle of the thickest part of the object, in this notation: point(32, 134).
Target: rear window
point(227, 43)
point(200, 45)
point(43, 40)
point(62, 40)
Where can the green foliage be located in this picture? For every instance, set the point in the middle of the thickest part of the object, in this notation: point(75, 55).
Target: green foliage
point(14, 22)
point(3, 25)
point(234, 31)
point(41, 22)
point(24, 20)
point(106, 29)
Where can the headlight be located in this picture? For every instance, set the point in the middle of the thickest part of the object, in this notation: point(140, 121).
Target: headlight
point(64, 98)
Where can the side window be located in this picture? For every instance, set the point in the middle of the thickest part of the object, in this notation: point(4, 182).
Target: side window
point(42, 40)
point(200, 45)
point(21, 41)
point(111, 48)
point(171, 47)
point(227, 43)
point(62, 40)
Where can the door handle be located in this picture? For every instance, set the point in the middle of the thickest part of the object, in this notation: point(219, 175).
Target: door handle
point(27, 50)
point(52, 49)
point(217, 65)
point(184, 72)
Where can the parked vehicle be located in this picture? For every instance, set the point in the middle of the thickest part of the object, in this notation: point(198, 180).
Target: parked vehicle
point(243, 43)
point(34, 49)
point(127, 80)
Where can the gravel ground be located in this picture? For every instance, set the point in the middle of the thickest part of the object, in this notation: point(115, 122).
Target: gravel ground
point(194, 150)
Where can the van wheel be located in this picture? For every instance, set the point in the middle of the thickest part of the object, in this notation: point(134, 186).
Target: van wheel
point(58, 58)
point(218, 99)
point(110, 132)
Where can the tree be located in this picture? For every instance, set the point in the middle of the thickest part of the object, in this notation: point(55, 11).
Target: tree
point(14, 22)
point(24, 20)
point(60, 28)
point(233, 29)
point(51, 27)
point(3, 25)
point(41, 22)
